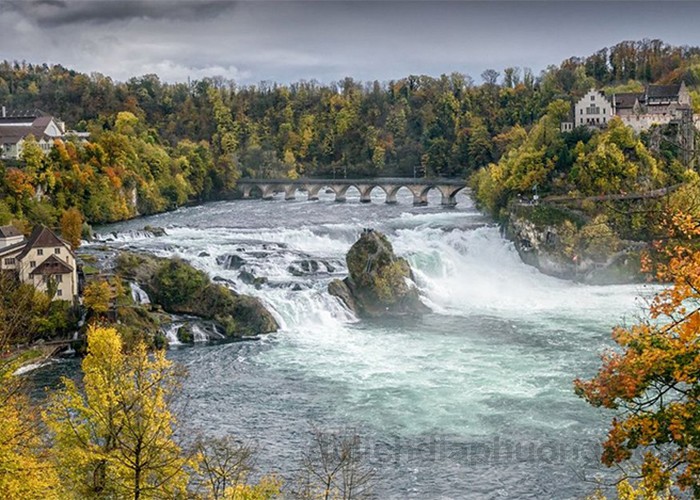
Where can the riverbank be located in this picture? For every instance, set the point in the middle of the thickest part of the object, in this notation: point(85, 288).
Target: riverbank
point(573, 245)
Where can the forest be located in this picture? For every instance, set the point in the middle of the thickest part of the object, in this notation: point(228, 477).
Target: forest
point(155, 146)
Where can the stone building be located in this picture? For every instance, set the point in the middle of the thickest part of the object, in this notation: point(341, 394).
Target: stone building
point(657, 105)
point(42, 258)
point(592, 110)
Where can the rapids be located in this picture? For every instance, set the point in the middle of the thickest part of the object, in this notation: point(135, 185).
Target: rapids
point(472, 401)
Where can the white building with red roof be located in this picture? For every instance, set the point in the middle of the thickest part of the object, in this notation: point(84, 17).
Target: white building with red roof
point(41, 259)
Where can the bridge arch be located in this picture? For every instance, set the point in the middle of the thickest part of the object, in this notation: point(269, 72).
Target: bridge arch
point(268, 191)
point(251, 191)
point(448, 194)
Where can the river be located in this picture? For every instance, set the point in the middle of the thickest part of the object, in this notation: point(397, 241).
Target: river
point(472, 401)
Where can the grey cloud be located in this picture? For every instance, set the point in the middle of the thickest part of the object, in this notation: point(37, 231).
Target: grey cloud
point(326, 40)
point(52, 13)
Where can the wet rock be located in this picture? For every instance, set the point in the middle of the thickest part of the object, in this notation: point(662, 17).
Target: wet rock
point(203, 254)
point(259, 255)
point(155, 231)
point(380, 283)
point(185, 335)
point(251, 279)
point(309, 266)
point(232, 261)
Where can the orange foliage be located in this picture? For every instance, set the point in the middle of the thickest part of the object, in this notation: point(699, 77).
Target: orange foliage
point(654, 378)
point(18, 183)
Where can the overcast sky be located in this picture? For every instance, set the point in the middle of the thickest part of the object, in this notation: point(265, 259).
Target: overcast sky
point(326, 40)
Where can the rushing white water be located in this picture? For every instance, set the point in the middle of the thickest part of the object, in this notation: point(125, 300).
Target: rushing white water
point(138, 294)
point(494, 363)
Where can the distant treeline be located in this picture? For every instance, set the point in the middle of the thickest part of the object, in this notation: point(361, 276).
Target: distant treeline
point(446, 126)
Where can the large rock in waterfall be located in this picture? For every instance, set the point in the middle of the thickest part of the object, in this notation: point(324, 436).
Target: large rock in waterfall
point(380, 283)
point(179, 288)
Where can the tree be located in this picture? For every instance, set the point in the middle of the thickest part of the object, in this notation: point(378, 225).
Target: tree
point(490, 76)
point(25, 469)
point(21, 308)
point(223, 468)
point(72, 226)
point(653, 381)
point(114, 437)
point(334, 467)
point(97, 297)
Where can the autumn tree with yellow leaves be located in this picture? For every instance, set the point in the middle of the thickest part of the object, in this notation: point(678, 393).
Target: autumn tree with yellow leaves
point(114, 437)
point(653, 380)
point(26, 471)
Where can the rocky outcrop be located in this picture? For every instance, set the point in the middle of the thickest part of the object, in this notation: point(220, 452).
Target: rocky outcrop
point(380, 283)
point(155, 231)
point(564, 250)
point(307, 267)
point(181, 289)
point(230, 261)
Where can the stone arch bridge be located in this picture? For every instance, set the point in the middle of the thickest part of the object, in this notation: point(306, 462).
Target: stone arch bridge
point(420, 188)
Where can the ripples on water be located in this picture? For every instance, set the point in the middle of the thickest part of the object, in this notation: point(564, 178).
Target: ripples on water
point(472, 401)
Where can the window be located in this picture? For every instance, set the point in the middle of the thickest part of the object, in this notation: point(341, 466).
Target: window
point(59, 278)
point(57, 251)
point(40, 251)
point(59, 293)
point(32, 264)
point(593, 97)
point(10, 261)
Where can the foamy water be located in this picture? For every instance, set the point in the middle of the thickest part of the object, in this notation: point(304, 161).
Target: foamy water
point(493, 363)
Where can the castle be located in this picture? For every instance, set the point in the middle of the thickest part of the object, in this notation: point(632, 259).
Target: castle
point(656, 105)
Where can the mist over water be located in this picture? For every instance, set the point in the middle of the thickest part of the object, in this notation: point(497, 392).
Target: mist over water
point(472, 401)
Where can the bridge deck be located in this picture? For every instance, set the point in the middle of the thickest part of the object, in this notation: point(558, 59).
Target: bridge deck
point(376, 181)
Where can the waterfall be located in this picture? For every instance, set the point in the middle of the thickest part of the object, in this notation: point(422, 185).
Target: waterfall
point(170, 332)
point(138, 294)
point(461, 266)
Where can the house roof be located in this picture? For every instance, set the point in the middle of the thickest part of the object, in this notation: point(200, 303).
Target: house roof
point(43, 237)
point(13, 248)
point(52, 265)
point(627, 99)
point(663, 91)
point(15, 133)
point(20, 116)
point(9, 232)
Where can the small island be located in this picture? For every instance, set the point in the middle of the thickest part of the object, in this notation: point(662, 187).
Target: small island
point(379, 283)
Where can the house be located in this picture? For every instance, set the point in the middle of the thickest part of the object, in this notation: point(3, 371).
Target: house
point(592, 110)
point(42, 258)
point(16, 127)
point(656, 105)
